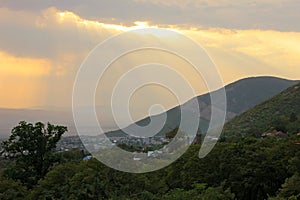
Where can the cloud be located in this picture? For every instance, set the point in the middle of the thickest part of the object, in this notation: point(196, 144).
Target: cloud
point(20, 66)
point(21, 80)
point(209, 3)
point(50, 44)
point(252, 52)
point(231, 14)
point(43, 49)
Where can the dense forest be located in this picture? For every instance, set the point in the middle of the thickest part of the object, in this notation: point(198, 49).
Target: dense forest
point(257, 157)
point(279, 112)
point(251, 168)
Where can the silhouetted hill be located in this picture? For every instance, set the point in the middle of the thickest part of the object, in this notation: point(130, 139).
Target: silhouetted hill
point(241, 96)
point(247, 93)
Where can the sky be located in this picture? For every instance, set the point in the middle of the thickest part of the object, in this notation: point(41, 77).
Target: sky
point(43, 43)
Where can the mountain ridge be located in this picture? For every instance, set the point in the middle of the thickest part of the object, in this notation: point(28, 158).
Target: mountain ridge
point(10, 117)
point(270, 114)
point(237, 93)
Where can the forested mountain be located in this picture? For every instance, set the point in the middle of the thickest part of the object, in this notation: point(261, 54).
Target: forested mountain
point(241, 96)
point(281, 113)
point(247, 168)
point(247, 93)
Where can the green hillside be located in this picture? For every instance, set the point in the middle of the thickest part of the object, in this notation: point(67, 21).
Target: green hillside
point(241, 95)
point(281, 112)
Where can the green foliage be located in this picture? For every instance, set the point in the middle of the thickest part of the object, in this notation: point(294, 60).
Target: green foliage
point(12, 190)
point(56, 183)
point(178, 194)
point(293, 117)
point(291, 187)
point(200, 192)
point(247, 93)
point(279, 123)
point(247, 169)
point(171, 134)
point(73, 155)
point(241, 96)
point(280, 112)
point(251, 168)
point(130, 148)
point(218, 193)
point(32, 147)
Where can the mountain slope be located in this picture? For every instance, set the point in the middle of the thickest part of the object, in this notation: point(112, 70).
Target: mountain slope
point(241, 96)
point(247, 93)
point(275, 112)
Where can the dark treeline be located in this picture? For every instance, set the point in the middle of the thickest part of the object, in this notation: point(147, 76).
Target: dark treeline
point(247, 169)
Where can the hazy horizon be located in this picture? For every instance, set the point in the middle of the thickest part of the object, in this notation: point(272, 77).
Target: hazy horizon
point(68, 108)
point(42, 47)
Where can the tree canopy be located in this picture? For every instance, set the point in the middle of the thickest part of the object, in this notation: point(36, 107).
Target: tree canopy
point(248, 168)
point(32, 147)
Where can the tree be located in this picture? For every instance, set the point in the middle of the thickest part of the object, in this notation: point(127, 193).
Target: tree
point(291, 187)
point(280, 123)
point(56, 184)
point(32, 146)
point(12, 190)
point(293, 117)
point(171, 134)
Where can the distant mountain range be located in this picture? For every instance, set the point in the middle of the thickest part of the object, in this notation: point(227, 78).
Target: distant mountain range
point(241, 96)
point(268, 115)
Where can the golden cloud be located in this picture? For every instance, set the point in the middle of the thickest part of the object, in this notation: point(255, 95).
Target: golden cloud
point(21, 66)
point(21, 80)
point(251, 52)
point(237, 53)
